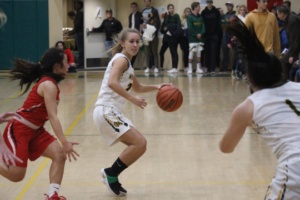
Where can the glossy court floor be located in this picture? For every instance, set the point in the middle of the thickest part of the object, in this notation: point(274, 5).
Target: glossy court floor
point(182, 162)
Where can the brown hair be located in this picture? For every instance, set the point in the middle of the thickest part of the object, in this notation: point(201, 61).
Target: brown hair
point(121, 37)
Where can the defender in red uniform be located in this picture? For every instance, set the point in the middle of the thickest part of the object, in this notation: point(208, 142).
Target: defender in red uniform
point(26, 136)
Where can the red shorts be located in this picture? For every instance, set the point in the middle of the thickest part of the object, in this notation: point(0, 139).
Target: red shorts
point(25, 142)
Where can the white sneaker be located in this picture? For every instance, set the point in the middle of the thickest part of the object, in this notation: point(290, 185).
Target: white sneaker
point(173, 70)
point(147, 70)
point(199, 71)
point(156, 70)
point(190, 71)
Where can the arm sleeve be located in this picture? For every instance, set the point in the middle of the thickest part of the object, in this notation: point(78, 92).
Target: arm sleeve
point(100, 28)
point(163, 25)
point(293, 35)
point(120, 27)
point(129, 20)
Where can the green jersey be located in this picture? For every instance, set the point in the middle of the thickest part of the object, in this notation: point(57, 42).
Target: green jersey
point(195, 26)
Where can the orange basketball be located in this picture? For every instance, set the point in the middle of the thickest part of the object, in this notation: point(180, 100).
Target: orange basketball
point(169, 98)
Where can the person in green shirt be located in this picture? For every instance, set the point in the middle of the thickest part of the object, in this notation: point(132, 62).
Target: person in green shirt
point(196, 31)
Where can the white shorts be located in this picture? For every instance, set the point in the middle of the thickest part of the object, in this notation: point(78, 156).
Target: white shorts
point(286, 183)
point(196, 47)
point(111, 123)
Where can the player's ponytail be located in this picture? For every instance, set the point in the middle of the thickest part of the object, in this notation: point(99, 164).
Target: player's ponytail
point(264, 70)
point(28, 72)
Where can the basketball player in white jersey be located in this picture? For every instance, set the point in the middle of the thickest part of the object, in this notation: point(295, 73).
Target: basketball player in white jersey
point(119, 78)
point(273, 110)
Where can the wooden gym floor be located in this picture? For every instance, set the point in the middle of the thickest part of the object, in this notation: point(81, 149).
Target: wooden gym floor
point(182, 161)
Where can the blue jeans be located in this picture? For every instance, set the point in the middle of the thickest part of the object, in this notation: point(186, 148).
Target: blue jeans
point(108, 44)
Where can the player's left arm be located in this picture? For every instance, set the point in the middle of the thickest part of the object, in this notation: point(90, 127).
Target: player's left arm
point(48, 90)
point(240, 119)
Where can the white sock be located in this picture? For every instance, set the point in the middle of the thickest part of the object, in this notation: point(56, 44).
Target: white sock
point(198, 65)
point(53, 188)
point(190, 66)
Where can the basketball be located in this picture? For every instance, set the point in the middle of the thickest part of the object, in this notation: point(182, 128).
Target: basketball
point(169, 98)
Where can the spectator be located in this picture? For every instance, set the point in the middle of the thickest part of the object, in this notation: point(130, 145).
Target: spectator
point(220, 36)
point(171, 28)
point(226, 39)
point(135, 21)
point(111, 26)
point(78, 32)
point(239, 65)
point(70, 57)
point(242, 12)
point(151, 17)
point(184, 42)
point(212, 19)
point(292, 27)
point(265, 25)
point(196, 30)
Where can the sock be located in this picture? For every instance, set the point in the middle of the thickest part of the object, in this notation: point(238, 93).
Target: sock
point(116, 168)
point(198, 65)
point(53, 188)
point(191, 66)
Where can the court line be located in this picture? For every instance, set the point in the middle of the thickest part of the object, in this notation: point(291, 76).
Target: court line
point(33, 178)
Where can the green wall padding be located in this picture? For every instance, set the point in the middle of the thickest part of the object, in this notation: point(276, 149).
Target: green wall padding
point(26, 33)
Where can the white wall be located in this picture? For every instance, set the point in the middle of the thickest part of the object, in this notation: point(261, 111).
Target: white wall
point(55, 21)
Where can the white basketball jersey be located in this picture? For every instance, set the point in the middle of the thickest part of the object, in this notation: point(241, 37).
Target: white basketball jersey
point(106, 95)
point(276, 117)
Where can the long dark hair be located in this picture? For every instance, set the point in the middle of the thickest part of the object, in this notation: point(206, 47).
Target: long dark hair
point(264, 69)
point(60, 42)
point(28, 72)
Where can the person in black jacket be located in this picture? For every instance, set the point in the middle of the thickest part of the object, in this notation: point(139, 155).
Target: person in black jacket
point(171, 28)
point(212, 20)
point(292, 27)
point(110, 26)
point(135, 21)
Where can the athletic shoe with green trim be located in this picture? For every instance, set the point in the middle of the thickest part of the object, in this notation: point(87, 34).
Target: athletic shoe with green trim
point(113, 184)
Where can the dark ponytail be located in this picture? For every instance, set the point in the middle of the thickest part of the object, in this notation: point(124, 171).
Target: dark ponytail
point(264, 69)
point(28, 72)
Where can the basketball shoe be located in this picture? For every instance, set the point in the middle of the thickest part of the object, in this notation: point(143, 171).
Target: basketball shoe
point(112, 183)
point(55, 197)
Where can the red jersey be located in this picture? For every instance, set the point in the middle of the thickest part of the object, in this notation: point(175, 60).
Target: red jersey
point(34, 108)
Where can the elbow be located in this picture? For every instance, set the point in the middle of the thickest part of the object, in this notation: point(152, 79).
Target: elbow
point(111, 84)
point(225, 149)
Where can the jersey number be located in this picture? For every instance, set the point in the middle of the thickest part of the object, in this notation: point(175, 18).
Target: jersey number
point(129, 86)
point(292, 106)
